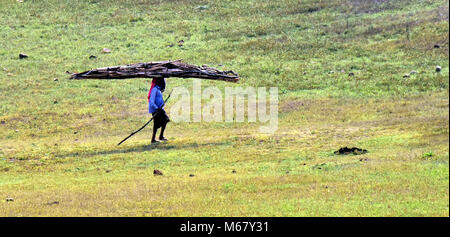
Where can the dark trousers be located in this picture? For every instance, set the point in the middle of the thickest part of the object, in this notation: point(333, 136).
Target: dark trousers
point(160, 118)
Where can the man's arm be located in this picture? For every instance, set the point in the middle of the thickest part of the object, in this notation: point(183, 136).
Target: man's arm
point(152, 100)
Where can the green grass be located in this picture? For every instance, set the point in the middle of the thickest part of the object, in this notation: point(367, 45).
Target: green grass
point(58, 138)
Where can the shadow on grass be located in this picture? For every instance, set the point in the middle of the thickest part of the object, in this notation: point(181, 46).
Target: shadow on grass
point(141, 148)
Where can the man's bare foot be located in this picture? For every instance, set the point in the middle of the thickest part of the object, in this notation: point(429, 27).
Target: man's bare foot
point(163, 139)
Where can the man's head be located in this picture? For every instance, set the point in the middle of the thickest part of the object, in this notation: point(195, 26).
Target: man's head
point(161, 82)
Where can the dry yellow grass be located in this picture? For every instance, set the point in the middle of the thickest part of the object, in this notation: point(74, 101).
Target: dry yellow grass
point(291, 173)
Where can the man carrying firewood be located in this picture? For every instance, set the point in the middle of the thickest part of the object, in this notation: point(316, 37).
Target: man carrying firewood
point(158, 71)
point(156, 107)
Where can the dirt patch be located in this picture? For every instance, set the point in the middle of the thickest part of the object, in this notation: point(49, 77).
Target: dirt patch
point(353, 150)
point(293, 105)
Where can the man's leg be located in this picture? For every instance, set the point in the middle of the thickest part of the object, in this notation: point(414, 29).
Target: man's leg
point(161, 135)
point(154, 134)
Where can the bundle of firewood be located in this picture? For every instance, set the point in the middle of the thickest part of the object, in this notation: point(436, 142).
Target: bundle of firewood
point(163, 69)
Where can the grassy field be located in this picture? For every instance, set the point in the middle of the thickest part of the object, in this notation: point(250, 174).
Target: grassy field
point(58, 153)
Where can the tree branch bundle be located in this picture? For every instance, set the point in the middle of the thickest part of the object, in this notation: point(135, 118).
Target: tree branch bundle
point(162, 69)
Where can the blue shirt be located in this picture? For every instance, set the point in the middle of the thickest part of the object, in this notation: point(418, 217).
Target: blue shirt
point(156, 100)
